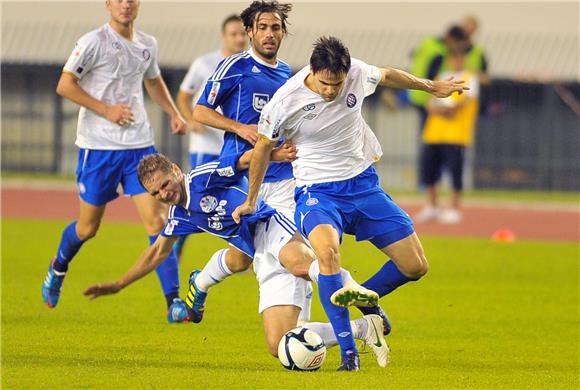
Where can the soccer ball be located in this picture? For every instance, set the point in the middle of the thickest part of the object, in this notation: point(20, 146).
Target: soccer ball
point(301, 349)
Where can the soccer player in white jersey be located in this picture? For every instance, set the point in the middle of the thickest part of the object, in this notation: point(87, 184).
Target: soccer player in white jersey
point(338, 190)
point(205, 142)
point(105, 75)
point(202, 201)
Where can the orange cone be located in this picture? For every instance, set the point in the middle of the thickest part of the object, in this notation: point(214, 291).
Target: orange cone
point(503, 235)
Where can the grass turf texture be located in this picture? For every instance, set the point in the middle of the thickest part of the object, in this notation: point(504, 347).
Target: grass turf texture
point(487, 315)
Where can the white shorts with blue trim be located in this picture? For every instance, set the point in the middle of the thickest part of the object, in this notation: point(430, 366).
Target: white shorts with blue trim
point(277, 286)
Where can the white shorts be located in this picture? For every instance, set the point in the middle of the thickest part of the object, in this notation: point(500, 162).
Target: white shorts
point(280, 195)
point(277, 285)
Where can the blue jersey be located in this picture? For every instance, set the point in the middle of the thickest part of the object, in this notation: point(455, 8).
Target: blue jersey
point(213, 191)
point(241, 86)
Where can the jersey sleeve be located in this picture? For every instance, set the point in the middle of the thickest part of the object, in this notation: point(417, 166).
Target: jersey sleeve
point(192, 80)
point(218, 173)
point(153, 70)
point(83, 57)
point(220, 85)
point(370, 76)
point(473, 84)
point(178, 223)
point(273, 120)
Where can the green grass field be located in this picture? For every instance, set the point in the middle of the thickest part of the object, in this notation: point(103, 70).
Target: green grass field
point(487, 315)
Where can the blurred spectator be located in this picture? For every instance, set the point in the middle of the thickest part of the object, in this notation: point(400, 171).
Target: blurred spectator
point(428, 60)
point(448, 131)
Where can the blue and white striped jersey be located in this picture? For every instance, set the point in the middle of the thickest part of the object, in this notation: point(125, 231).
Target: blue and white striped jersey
point(213, 191)
point(241, 86)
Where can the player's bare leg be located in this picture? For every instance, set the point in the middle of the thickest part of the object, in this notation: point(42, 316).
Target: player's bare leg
point(278, 320)
point(409, 257)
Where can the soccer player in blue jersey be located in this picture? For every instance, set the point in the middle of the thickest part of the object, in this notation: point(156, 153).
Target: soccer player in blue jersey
point(105, 75)
point(338, 189)
point(202, 201)
point(241, 85)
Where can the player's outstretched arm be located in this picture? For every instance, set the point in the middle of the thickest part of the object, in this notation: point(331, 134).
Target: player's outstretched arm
point(68, 87)
point(258, 165)
point(396, 78)
point(212, 118)
point(158, 91)
point(149, 260)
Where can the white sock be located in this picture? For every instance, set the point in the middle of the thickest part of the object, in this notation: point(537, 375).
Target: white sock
point(314, 271)
point(325, 331)
point(214, 271)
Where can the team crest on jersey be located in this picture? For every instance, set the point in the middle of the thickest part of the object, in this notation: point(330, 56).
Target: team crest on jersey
point(311, 202)
point(350, 100)
point(310, 116)
point(208, 203)
point(309, 107)
point(215, 88)
point(259, 100)
point(116, 45)
point(226, 172)
point(146, 54)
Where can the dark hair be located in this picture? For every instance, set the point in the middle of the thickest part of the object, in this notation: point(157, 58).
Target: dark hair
point(150, 164)
point(457, 33)
point(331, 55)
point(229, 19)
point(251, 14)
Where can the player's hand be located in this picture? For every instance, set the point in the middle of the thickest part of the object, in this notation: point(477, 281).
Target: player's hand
point(243, 209)
point(102, 289)
point(285, 152)
point(120, 114)
point(247, 132)
point(178, 125)
point(444, 88)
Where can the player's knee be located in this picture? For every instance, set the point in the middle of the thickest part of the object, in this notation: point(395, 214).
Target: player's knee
point(86, 232)
point(419, 267)
point(238, 263)
point(328, 256)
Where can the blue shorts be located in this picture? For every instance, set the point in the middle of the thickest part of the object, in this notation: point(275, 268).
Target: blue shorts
point(99, 173)
point(201, 158)
point(357, 206)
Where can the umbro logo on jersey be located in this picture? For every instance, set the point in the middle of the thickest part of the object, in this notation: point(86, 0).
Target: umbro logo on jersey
point(259, 100)
point(350, 100)
point(255, 69)
point(117, 45)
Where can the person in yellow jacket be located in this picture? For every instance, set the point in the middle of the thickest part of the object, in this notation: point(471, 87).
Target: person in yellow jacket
point(448, 130)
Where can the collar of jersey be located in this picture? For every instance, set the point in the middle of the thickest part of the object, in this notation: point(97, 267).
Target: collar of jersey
point(261, 61)
point(120, 36)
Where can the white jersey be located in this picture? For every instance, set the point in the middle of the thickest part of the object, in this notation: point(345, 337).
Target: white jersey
point(111, 69)
point(212, 140)
point(333, 140)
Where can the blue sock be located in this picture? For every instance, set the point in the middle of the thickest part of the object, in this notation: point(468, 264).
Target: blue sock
point(339, 316)
point(69, 245)
point(387, 279)
point(168, 273)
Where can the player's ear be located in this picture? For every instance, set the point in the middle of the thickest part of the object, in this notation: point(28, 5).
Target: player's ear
point(175, 169)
